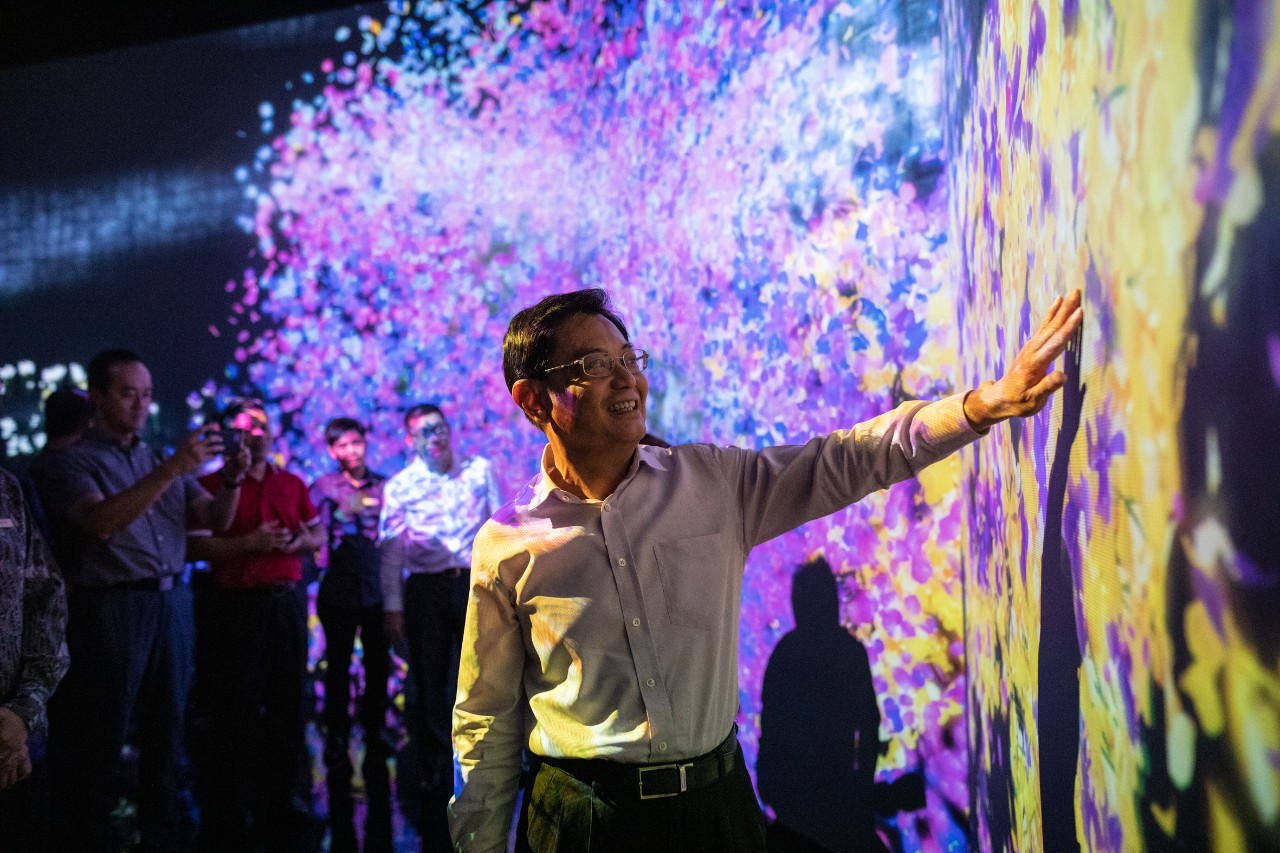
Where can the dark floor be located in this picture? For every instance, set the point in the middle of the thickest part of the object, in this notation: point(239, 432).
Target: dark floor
point(403, 809)
point(406, 840)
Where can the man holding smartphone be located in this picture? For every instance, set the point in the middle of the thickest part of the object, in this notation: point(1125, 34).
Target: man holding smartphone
point(129, 628)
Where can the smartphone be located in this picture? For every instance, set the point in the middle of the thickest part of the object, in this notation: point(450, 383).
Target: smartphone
point(231, 440)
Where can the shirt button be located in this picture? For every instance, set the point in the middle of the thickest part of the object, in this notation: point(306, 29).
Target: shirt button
point(662, 747)
point(649, 682)
point(622, 561)
point(608, 507)
point(636, 622)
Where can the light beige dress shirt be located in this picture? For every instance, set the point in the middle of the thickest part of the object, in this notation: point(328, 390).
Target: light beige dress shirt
point(609, 629)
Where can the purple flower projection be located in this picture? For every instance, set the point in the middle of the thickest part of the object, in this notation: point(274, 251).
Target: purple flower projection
point(760, 192)
point(1121, 579)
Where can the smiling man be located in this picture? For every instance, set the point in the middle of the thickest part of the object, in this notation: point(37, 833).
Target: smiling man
point(602, 622)
point(431, 512)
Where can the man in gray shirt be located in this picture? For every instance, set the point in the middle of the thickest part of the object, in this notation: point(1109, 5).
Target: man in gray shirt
point(130, 626)
point(602, 624)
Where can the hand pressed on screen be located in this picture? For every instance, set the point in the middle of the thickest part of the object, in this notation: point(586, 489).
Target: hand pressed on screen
point(1027, 385)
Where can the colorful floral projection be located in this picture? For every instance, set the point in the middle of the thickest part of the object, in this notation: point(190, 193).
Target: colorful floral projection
point(1122, 574)
point(759, 188)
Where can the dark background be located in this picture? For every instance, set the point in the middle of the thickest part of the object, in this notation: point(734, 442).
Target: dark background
point(32, 33)
point(159, 139)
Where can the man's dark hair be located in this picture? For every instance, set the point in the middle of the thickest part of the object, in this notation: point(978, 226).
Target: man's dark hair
point(531, 334)
point(66, 412)
point(336, 428)
point(236, 405)
point(99, 369)
point(421, 409)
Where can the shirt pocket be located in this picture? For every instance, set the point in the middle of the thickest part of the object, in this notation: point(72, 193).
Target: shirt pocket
point(695, 578)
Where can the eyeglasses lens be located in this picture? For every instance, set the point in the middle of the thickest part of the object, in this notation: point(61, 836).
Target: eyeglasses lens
point(599, 364)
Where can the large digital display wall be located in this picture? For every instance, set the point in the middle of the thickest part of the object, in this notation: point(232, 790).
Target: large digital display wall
point(1122, 566)
point(342, 212)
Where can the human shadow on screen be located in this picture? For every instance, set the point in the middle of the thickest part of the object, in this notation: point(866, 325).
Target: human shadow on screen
point(1058, 704)
point(819, 727)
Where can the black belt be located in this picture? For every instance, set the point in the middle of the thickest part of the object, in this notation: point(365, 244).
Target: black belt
point(451, 572)
point(261, 589)
point(652, 781)
point(162, 584)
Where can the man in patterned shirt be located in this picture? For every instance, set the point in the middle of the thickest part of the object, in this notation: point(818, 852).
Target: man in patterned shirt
point(431, 512)
point(602, 624)
point(33, 658)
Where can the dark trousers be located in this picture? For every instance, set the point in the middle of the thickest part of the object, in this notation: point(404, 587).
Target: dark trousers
point(131, 662)
point(340, 627)
point(255, 654)
point(24, 810)
point(434, 610)
point(567, 815)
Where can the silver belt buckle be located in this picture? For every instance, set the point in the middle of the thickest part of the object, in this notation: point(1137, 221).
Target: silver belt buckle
point(684, 782)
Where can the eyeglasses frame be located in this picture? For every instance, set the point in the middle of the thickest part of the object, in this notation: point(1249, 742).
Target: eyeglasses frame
point(641, 357)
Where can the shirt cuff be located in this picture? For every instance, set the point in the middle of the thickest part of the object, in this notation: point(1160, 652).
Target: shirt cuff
point(30, 710)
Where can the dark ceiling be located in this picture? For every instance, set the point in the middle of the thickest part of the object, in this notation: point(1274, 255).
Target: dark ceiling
point(33, 32)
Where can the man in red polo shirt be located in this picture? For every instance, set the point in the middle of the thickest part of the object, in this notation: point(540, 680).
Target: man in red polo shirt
point(256, 636)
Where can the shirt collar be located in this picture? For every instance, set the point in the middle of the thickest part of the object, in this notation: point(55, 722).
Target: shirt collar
point(96, 436)
point(272, 470)
point(544, 487)
point(420, 467)
point(370, 478)
point(654, 456)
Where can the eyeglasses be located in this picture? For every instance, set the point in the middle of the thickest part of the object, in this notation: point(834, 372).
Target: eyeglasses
point(600, 364)
point(428, 430)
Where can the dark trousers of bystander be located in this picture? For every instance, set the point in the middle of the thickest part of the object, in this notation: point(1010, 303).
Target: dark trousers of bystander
point(24, 807)
point(255, 659)
point(435, 608)
point(131, 661)
point(340, 627)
